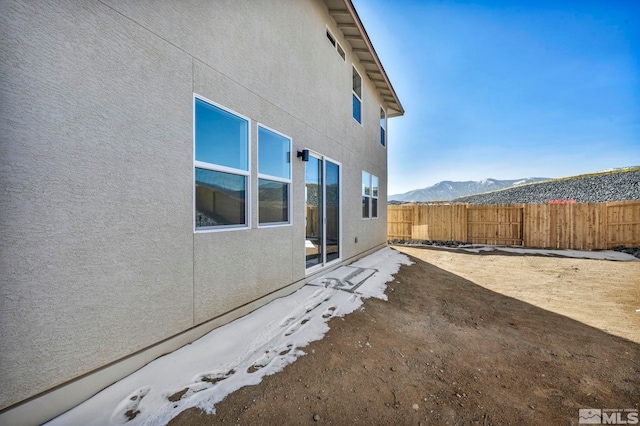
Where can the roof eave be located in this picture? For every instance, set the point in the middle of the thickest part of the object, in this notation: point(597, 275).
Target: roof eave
point(349, 23)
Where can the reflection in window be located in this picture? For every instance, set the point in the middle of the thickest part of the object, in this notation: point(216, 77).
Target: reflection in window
point(383, 127)
point(374, 196)
point(332, 191)
point(335, 44)
point(274, 201)
point(221, 137)
point(313, 211)
point(357, 95)
point(274, 154)
point(220, 198)
point(370, 192)
point(366, 194)
point(274, 172)
point(221, 167)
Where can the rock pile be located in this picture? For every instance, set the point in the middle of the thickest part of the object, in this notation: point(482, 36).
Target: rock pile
point(619, 186)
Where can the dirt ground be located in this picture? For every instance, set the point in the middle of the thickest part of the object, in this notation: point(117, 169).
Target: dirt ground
point(490, 339)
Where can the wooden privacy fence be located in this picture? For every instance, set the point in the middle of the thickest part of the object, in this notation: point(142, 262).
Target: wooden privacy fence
point(580, 226)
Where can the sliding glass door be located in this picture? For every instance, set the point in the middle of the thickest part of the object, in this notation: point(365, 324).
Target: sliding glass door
point(322, 211)
point(314, 242)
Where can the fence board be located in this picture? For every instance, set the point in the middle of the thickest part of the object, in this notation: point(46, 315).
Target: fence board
point(495, 224)
point(623, 224)
point(399, 221)
point(581, 226)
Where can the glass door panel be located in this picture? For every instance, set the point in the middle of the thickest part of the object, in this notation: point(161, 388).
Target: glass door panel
point(322, 211)
point(314, 212)
point(332, 210)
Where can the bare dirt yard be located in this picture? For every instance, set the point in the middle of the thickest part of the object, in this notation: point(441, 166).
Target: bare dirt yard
point(488, 339)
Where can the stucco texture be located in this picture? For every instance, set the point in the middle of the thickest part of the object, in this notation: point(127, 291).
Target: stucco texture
point(98, 251)
point(96, 193)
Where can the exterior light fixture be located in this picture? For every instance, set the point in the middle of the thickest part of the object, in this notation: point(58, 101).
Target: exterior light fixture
point(304, 155)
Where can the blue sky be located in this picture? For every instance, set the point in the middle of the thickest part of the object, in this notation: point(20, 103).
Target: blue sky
point(508, 89)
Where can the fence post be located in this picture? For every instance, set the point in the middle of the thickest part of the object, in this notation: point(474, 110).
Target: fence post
point(604, 227)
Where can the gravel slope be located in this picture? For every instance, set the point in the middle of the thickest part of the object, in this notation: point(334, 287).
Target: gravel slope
point(618, 186)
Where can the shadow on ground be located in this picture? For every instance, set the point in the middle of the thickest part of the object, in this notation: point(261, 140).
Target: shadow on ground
point(442, 350)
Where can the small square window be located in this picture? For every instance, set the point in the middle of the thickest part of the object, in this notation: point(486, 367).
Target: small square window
point(336, 45)
point(331, 39)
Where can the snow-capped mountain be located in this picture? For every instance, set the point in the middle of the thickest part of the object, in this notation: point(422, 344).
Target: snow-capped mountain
point(448, 190)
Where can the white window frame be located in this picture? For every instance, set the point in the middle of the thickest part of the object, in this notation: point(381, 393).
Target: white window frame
point(312, 270)
point(224, 169)
point(289, 181)
point(353, 93)
point(371, 196)
point(362, 194)
point(336, 45)
point(385, 127)
point(376, 197)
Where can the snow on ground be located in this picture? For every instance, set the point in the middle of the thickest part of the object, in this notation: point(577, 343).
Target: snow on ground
point(579, 254)
point(230, 357)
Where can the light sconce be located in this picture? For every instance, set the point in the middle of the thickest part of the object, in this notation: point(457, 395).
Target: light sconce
point(304, 155)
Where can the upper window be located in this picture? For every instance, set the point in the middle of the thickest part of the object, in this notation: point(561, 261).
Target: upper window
point(221, 167)
point(383, 127)
point(357, 96)
point(335, 44)
point(369, 195)
point(332, 40)
point(274, 177)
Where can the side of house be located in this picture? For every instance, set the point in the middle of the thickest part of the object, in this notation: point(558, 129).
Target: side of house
point(151, 184)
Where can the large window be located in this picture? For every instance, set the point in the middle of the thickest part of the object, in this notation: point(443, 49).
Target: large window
point(383, 127)
point(357, 96)
point(274, 177)
point(369, 196)
point(221, 167)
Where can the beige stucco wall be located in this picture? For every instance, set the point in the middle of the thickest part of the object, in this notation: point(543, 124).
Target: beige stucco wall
point(98, 253)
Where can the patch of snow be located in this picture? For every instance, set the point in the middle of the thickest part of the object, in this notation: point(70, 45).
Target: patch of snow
point(230, 357)
point(580, 254)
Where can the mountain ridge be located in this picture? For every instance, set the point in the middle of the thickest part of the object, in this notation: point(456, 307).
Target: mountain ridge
point(449, 190)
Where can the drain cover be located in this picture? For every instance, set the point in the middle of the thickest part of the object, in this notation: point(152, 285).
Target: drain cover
point(347, 278)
